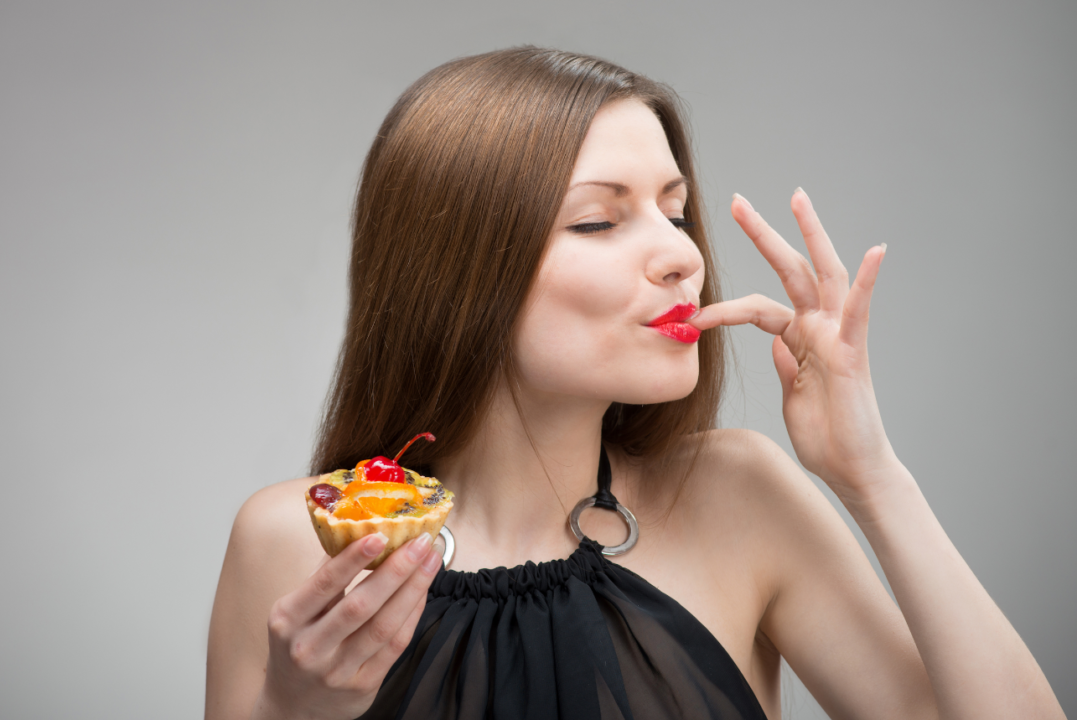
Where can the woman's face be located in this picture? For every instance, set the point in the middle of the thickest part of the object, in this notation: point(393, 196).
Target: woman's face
point(616, 262)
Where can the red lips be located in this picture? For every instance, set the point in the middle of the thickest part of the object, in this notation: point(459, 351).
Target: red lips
point(671, 323)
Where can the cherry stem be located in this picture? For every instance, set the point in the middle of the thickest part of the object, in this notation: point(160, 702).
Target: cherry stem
point(429, 437)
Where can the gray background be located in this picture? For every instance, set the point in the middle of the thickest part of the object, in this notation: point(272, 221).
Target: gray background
point(176, 180)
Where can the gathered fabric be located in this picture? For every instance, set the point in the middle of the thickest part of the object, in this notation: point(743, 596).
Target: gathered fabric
point(580, 638)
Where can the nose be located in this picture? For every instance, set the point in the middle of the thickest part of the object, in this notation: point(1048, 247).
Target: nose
point(674, 256)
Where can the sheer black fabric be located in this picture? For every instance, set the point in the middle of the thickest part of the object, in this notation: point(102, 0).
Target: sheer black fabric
point(576, 638)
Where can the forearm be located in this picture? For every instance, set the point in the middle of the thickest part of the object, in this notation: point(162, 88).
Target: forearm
point(978, 665)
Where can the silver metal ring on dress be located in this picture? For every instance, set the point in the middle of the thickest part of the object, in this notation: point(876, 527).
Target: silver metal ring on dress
point(633, 526)
point(450, 546)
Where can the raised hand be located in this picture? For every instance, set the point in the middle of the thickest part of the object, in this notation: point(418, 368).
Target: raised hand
point(820, 349)
point(329, 652)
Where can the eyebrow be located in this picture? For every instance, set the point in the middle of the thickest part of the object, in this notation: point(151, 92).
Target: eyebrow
point(620, 190)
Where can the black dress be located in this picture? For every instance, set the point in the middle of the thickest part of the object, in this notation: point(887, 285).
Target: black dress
point(576, 638)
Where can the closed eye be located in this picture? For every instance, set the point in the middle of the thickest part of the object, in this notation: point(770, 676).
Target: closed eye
point(590, 228)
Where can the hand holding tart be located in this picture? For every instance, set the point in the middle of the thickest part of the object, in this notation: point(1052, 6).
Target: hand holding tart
point(377, 496)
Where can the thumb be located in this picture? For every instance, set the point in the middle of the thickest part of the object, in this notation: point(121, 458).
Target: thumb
point(785, 364)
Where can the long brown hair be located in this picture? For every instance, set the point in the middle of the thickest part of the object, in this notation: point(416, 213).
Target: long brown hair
point(457, 198)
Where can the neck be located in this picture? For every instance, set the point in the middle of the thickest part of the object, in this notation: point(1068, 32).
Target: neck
point(521, 475)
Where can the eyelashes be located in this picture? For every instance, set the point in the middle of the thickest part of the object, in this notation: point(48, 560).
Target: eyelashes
point(592, 228)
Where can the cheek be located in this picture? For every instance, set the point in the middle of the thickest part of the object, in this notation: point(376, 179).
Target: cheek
point(580, 307)
point(593, 280)
point(582, 334)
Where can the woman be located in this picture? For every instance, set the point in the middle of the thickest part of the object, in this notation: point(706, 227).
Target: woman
point(529, 254)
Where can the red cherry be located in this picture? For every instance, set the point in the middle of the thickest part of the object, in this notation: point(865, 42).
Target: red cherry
point(325, 495)
point(382, 469)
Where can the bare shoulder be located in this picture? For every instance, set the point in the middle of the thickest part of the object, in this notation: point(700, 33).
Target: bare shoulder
point(768, 487)
point(741, 489)
point(276, 517)
point(272, 549)
point(743, 456)
point(731, 467)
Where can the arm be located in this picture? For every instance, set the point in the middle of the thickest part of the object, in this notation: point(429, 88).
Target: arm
point(979, 665)
point(327, 652)
point(976, 664)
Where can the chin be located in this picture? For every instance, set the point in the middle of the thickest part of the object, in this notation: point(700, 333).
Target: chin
point(660, 387)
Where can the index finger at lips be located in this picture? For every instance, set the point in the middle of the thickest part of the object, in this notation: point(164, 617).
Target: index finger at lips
point(832, 275)
point(325, 586)
point(793, 269)
point(764, 313)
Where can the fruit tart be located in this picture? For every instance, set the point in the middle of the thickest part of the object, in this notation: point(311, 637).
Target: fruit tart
point(377, 496)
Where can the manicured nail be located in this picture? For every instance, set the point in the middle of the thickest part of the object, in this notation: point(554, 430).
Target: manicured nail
point(418, 547)
point(738, 195)
point(432, 562)
point(883, 246)
point(375, 544)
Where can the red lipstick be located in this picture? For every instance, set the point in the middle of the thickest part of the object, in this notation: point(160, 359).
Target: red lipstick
point(672, 323)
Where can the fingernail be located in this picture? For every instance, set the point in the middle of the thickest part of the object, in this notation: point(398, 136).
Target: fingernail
point(799, 189)
point(741, 197)
point(883, 246)
point(375, 544)
point(418, 547)
point(432, 562)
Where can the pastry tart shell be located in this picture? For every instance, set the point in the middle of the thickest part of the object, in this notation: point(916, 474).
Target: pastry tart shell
point(336, 533)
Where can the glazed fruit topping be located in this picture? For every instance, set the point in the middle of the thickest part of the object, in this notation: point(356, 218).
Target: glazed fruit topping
point(398, 491)
point(325, 495)
point(382, 469)
point(377, 499)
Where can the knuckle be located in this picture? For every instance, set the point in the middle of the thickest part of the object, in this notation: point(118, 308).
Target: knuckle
point(400, 643)
point(381, 631)
point(300, 655)
point(840, 274)
point(366, 683)
point(336, 680)
point(280, 622)
point(323, 582)
point(400, 571)
point(355, 611)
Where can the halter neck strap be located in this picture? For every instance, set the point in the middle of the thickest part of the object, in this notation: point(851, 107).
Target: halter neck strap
point(604, 498)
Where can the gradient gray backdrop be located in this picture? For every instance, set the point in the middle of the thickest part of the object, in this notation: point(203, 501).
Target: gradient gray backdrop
point(176, 180)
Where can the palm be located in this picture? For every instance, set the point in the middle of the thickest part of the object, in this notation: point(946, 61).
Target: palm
point(820, 348)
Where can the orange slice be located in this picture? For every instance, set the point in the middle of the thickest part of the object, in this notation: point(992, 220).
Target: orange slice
point(387, 490)
point(348, 509)
point(380, 507)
